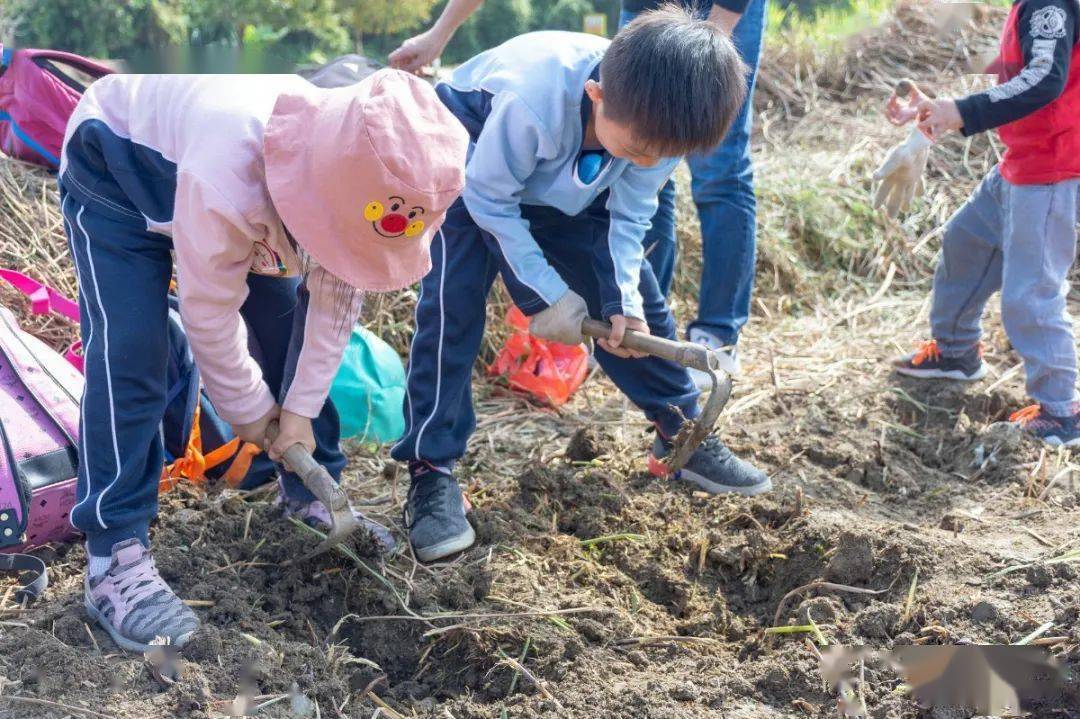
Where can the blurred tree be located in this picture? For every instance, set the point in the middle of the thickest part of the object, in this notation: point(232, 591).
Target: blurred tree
point(159, 22)
point(499, 20)
point(384, 17)
point(309, 23)
point(567, 15)
point(111, 28)
point(90, 27)
point(291, 30)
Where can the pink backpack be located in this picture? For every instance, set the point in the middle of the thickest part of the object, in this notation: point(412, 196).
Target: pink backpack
point(39, 426)
point(40, 392)
point(38, 92)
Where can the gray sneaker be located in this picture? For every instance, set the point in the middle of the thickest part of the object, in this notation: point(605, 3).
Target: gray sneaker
point(712, 467)
point(134, 604)
point(435, 514)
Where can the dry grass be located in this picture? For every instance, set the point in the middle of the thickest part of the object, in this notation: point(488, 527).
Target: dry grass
point(828, 264)
point(818, 235)
point(32, 241)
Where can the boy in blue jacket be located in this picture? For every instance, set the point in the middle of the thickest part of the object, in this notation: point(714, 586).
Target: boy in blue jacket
point(571, 139)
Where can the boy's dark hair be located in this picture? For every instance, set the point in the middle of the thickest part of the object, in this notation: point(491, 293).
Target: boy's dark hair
point(676, 81)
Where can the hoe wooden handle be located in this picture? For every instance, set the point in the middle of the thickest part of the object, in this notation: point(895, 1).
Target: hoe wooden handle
point(687, 354)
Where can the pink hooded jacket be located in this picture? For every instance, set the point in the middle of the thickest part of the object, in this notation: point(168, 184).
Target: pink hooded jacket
point(333, 160)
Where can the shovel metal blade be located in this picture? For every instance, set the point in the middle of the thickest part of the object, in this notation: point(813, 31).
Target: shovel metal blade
point(694, 432)
point(687, 354)
point(343, 522)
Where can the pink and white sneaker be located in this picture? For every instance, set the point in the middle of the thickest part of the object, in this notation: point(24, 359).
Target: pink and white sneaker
point(134, 604)
point(315, 514)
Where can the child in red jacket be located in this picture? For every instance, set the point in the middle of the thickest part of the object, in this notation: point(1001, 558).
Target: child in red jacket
point(1017, 233)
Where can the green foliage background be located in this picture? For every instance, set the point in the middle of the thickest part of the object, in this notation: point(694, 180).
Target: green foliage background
point(295, 31)
point(303, 30)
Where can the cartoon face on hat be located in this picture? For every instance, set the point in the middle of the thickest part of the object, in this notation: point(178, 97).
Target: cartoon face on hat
point(394, 218)
point(363, 175)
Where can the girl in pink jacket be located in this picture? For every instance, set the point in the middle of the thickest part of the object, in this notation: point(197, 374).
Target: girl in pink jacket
point(283, 203)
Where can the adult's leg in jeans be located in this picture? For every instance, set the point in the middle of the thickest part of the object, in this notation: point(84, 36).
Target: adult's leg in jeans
point(723, 188)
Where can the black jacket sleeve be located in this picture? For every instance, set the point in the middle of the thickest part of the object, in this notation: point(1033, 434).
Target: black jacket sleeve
point(736, 6)
point(1048, 32)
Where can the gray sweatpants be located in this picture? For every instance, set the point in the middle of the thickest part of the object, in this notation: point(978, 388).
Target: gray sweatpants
point(1020, 239)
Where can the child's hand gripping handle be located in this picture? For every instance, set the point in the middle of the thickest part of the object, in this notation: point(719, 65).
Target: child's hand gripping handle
point(687, 354)
point(315, 477)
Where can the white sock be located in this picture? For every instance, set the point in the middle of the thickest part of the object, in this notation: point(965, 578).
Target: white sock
point(96, 566)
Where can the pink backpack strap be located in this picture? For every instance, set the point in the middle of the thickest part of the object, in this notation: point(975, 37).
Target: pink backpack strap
point(74, 356)
point(43, 298)
point(90, 67)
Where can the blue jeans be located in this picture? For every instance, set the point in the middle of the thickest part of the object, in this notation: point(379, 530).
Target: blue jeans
point(450, 313)
point(723, 190)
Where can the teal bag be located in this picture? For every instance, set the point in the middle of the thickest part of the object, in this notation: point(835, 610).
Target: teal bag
point(369, 390)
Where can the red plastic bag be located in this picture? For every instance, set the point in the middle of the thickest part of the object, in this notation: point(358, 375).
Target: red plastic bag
point(549, 371)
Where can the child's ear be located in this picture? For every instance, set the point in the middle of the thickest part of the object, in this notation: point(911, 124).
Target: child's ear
point(594, 91)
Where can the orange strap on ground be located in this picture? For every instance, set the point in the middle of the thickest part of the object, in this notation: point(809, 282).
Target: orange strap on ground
point(927, 350)
point(240, 466)
point(194, 464)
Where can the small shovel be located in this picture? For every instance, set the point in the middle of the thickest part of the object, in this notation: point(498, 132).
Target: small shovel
point(687, 354)
point(315, 477)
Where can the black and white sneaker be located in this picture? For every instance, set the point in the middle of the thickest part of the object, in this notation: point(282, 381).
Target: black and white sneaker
point(435, 513)
point(712, 467)
point(1055, 431)
point(928, 363)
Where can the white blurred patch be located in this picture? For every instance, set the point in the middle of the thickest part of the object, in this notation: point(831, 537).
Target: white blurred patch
point(952, 17)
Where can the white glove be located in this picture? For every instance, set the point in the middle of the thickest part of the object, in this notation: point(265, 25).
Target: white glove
point(561, 322)
point(901, 175)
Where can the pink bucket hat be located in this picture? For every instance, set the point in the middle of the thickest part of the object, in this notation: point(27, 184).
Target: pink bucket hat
point(362, 176)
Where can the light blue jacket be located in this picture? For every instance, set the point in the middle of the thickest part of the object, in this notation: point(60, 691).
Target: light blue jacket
point(525, 107)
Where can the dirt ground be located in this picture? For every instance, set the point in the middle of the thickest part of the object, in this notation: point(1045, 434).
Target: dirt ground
point(596, 590)
point(617, 594)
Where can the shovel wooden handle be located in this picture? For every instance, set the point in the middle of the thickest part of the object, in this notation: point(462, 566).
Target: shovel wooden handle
point(687, 354)
point(314, 476)
point(296, 457)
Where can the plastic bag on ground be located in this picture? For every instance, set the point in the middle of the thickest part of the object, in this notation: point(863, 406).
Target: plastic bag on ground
point(549, 371)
